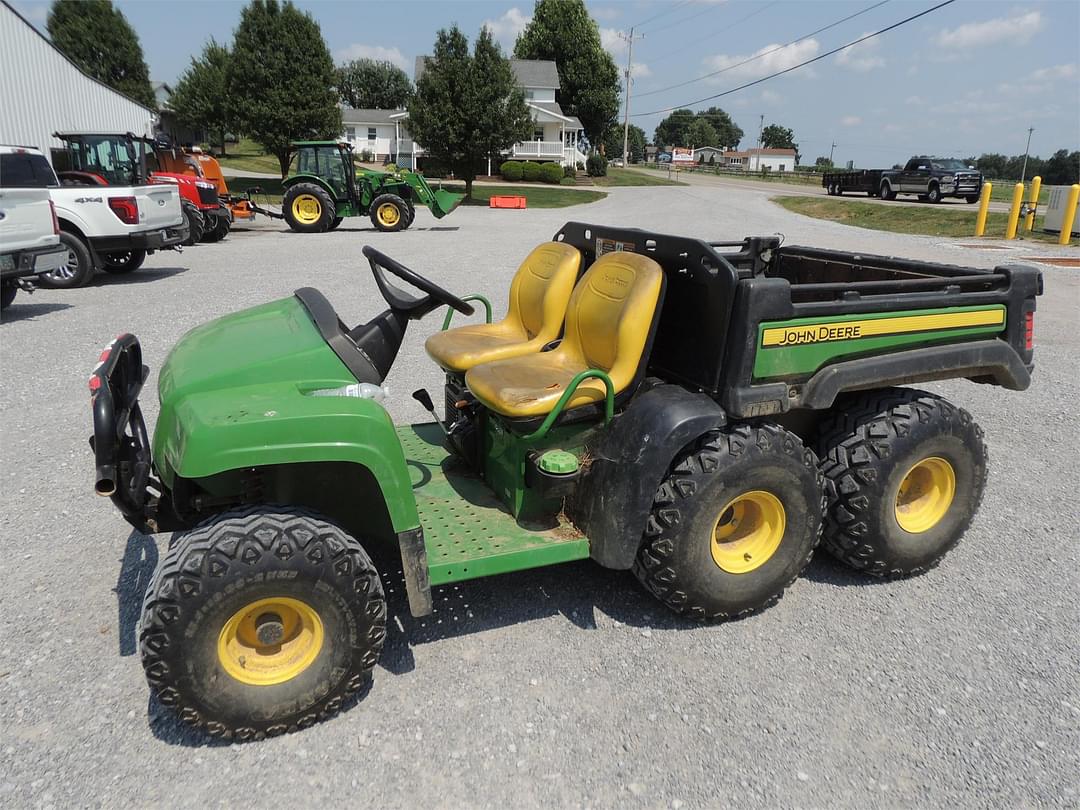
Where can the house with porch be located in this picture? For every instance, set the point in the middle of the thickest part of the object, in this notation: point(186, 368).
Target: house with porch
point(381, 133)
point(758, 160)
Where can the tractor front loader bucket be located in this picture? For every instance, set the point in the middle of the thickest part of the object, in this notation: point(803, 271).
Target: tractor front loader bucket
point(444, 202)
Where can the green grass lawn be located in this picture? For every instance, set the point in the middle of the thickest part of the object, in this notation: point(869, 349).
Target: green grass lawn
point(630, 177)
point(248, 156)
point(917, 219)
point(535, 196)
point(1002, 191)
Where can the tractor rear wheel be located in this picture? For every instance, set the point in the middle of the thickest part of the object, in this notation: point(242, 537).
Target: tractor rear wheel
point(333, 225)
point(905, 472)
point(219, 230)
point(308, 208)
point(261, 621)
point(127, 261)
point(733, 524)
point(196, 223)
point(389, 213)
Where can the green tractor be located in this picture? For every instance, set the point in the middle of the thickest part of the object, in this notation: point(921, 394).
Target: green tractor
point(702, 413)
point(324, 188)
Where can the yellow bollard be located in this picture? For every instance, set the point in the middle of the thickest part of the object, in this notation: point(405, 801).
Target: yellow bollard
point(984, 209)
point(1070, 215)
point(1033, 201)
point(1014, 211)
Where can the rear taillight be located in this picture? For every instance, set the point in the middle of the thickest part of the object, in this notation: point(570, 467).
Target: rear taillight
point(126, 209)
point(55, 221)
point(1029, 331)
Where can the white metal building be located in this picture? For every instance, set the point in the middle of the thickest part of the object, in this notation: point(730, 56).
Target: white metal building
point(42, 92)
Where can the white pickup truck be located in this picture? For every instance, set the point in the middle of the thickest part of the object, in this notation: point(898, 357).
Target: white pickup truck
point(111, 228)
point(29, 240)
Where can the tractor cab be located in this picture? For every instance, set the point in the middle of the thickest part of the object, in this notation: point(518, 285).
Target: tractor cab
point(100, 159)
point(331, 162)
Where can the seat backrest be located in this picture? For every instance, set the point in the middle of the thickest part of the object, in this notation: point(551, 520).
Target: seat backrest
point(611, 314)
point(541, 289)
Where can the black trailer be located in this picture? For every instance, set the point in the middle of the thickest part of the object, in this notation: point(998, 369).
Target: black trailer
point(865, 181)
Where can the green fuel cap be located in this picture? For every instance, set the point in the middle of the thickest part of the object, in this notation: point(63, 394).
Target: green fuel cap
point(558, 462)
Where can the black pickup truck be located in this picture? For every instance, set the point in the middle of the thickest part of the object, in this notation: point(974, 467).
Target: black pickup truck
point(932, 179)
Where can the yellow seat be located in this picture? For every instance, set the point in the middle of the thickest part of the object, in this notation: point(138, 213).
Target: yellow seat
point(538, 296)
point(608, 323)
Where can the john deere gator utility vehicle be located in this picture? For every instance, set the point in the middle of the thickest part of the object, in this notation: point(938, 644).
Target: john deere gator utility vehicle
point(700, 412)
point(324, 188)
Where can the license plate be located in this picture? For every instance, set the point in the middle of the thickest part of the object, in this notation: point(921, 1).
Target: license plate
point(7, 262)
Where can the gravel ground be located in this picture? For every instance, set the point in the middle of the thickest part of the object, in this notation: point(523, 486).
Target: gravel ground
point(567, 686)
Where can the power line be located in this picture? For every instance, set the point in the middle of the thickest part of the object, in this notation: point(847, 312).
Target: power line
point(801, 64)
point(661, 13)
point(765, 53)
point(711, 34)
point(672, 24)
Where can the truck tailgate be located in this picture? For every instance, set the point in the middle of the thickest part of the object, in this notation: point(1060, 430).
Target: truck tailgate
point(159, 206)
point(26, 221)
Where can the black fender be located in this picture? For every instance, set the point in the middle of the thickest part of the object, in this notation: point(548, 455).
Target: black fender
point(628, 463)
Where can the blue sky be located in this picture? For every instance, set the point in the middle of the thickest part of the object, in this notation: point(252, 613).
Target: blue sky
point(967, 79)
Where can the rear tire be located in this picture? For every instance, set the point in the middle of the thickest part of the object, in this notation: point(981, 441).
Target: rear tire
point(7, 295)
point(303, 582)
point(196, 223)
point(78, 270)
point(887, 192)
point(126, 262)
point(333, 225)
point(389, 213)
point(899, 458)
point(219, 229)
point(308, 208)
point(697, 559)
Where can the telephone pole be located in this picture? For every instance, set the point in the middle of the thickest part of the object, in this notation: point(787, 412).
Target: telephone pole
point(1023, 173)
point(626, 119)
point(761, 132)
point(831, 148)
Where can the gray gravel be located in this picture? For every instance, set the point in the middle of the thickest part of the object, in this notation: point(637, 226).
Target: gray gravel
point(567, 686)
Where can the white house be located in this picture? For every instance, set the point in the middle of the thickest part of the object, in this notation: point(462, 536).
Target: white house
point(380, 132)
point(757, 160)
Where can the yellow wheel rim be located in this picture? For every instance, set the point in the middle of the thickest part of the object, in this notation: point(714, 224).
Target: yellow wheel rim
point(925, 495)
point(306, 209)
point(388, 215)
point(748, 531)
point(270, 641)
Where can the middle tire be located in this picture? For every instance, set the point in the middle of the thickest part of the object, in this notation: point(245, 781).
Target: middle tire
point(733, 524)
point(308, 208)
point(390, 213)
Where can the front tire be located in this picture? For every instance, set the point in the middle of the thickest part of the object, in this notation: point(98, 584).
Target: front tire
point(261, 621)
point(219, 229)
point(971, 199)
point(126, 262)
point(733, 524)
point(77, 271)
point(905, 473)
point(308, 208)
point(196, 223)
point(933, 193)
point(389, 213)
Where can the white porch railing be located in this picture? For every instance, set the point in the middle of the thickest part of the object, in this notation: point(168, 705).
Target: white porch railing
point(537, 149)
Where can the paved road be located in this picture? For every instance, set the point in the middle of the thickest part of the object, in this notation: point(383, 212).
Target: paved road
point(566, 687)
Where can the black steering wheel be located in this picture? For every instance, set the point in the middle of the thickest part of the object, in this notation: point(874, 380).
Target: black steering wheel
point(400, 301)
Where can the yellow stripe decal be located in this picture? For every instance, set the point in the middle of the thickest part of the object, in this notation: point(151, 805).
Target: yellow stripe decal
point(853, 330)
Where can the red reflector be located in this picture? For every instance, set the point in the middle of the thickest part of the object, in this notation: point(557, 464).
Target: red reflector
point(126, 209)
point(95, 383)
point(1029, 331)
point(104, 354)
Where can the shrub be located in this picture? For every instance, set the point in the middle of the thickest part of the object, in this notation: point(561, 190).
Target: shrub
point(580, 166)
point(511, 170)
point(551, 173)
point(530, 171)
point(596, 166)
point(568, 181)
point(569, 171)
point(366, 156)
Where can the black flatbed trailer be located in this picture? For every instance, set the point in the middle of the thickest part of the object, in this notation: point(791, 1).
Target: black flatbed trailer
point(863, 181)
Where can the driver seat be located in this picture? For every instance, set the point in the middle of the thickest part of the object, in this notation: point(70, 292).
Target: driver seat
point(538, 297)
point(609, 326)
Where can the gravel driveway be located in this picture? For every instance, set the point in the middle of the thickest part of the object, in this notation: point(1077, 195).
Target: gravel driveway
point(568, 686)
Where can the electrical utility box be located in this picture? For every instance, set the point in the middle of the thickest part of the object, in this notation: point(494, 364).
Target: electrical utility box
point(1055, 211)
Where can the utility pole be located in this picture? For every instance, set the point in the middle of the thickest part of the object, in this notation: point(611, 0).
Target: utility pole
point(831, 148)
point(761, 132)
point(1023, 173)
point(626, 119)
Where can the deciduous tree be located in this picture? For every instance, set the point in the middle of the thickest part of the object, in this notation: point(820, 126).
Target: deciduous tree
point(97, 37)
point(701, 133)
point(366, 84)
point(200, 96)
point(673, 129)
point(281, 78)
point(775, 136)
point(613, 143)
point(728, 133)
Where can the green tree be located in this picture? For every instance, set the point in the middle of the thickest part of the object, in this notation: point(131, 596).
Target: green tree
point(992, 165)
point(467, 108)
point(635, 142)
point(97, 38)
point(365, 84)
point(728, 133)
point(563, 31)
point(701, 133)
point(1062, 168)
point(673, 129)
point(775, 136)
point(281, 78)
point(823, 163)
point(199, 98)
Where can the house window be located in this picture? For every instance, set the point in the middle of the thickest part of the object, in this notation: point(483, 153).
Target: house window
point(350, 134)
point(538, 135)
point(371, 134)
point(530, 94)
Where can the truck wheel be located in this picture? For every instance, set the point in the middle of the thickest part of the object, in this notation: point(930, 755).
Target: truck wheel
point(79, 267)
point(389, 212)
point(219, 230)
point(7, 295)
point(196, 223)
point(127, 261)
point(905, 472)
point(887, 192)
point(261, 621)
point(308, 208)
point(971, 198)
point(933, 193)
point(733, 524)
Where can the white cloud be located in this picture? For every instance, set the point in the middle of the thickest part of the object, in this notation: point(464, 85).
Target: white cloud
point(915, 101)
point(506, 29)
point(377, 52)
point(1009, 30)
point(604, 13)
point(639, 70)
point(1052, 73)
point(861, 58)
point(773, 58)
point(615, 45)
point(1038, 81)
point(769, 97)
point(851, 120)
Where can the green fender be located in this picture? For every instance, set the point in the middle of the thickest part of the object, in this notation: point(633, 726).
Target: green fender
point(292, 180)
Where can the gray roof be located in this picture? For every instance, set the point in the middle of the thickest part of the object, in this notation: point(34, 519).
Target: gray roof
point(547, 106)
point(351, 116)
point(528, 72)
